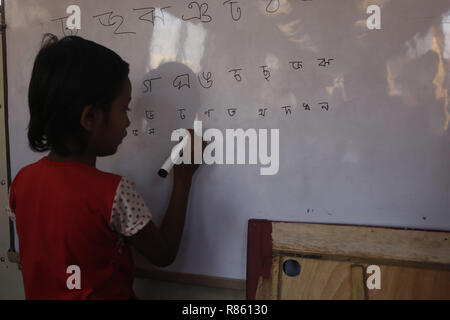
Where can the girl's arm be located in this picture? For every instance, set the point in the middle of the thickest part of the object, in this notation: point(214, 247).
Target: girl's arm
point(160, 245)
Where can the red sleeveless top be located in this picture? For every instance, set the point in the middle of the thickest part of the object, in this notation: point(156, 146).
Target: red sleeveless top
point(63, 213)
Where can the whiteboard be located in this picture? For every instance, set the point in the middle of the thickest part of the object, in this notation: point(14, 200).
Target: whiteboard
point(377, 154)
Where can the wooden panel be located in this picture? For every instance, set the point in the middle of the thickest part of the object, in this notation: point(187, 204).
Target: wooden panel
point(413, 247)
point(325, 279)
point(412, 283)
point(318, 279)
point(358, 283)
point(414, 264)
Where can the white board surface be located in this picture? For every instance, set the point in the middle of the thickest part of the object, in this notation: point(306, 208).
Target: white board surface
point(380, 154)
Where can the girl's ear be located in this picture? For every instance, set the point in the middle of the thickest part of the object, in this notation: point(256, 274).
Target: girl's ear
point(91, 117)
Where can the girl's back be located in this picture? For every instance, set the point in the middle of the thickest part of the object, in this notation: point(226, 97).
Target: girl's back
point(64, 220)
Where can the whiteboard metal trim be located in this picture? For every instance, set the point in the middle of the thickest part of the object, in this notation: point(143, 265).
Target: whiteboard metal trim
point(5, 170)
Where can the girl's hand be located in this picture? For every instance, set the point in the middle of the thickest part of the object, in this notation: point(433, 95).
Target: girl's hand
point(183, 172)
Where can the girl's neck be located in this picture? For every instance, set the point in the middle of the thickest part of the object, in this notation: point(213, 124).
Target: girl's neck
point(86, 158)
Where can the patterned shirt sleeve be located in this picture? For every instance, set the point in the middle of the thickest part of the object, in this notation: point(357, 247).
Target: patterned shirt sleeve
point(129, 211)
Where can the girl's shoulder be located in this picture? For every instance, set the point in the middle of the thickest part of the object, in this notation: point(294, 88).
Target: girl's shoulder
point(70, 169)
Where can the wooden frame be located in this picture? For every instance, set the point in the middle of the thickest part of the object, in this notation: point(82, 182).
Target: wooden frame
point(414, 264)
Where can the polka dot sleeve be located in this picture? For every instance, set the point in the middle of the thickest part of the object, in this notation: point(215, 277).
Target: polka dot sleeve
point(129, 211)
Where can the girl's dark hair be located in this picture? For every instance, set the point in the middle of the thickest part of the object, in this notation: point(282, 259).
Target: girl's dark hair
point(69, 74)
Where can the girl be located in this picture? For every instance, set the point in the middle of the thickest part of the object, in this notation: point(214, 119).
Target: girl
point(70, 215)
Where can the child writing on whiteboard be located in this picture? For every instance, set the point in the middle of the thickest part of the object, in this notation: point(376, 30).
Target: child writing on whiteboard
point(76, 223)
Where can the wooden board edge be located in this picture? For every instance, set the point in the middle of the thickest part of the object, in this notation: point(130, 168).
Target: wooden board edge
point(259, 254)
point(191, 279)
point(362, 260)
point(303, 247)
